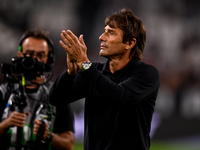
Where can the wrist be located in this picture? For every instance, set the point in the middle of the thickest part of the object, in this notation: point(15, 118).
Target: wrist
point(79, 64)
point(49, 137)
point(4, 127)
point(6, 124)
point(86, 66)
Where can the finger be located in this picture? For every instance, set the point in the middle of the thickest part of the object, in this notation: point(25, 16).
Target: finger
point(37, 122)
point(18, 123)
point(75, 68)
point(36, 127)
point(65, 34)
point(27, 113)
point(82, 42)
point(35, 130)
point(65, 44)
point(16, 113)
point(81, 39)
point(16, 119)
point(65, 47)
point(73, 38)
point(46, 131)
point(18, 116)
point(67, 38)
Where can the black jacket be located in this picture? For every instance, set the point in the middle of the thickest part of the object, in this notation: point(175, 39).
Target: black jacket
point(118, 107)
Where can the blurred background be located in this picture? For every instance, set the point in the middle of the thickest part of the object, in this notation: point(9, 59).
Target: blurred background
point(173, 47)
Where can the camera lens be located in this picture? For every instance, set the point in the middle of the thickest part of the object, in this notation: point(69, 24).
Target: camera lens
point(28, 63)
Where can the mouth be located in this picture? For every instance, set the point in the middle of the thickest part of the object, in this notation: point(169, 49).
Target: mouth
point(103, 46)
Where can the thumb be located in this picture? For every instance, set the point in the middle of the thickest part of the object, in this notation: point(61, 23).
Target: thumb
point(81, 39)
point(27, 113)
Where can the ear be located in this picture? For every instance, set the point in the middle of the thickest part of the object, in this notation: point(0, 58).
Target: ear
point(19, 54)
point(130, 44)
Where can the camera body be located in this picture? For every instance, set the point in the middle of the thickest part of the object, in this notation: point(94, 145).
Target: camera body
point(24, 66)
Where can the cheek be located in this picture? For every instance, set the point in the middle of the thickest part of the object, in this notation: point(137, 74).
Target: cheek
point(45, 60)
point(116, 46)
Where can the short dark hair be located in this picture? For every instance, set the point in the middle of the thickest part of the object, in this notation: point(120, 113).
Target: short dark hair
point(40, 34)
point(132, 27)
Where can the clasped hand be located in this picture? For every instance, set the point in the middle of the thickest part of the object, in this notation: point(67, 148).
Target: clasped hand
point(37, 126)
point(16, 119)
point(76, 51)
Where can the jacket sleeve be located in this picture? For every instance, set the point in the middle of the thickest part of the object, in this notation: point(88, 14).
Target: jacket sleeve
point(142, 84)
point(67, 89)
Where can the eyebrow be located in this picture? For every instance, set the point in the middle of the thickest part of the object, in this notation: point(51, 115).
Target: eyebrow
point(113, 30)
point(42, 51)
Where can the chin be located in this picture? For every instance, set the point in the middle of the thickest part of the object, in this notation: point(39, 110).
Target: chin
point(32, 86)
point(102, 53)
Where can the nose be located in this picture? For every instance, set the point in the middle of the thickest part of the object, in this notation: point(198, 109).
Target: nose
point(33, 55)
point(102, 37)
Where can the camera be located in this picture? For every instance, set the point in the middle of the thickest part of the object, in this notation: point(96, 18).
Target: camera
point(20, 73)
point(24, 66)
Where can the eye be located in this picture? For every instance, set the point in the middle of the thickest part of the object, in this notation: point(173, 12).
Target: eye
point(40, 55)
point(111, 32)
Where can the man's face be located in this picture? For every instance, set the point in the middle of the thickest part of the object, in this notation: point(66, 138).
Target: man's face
point(37, 47)
point(111, 43)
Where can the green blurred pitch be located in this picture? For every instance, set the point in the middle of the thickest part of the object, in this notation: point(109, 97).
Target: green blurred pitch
point(155, 146)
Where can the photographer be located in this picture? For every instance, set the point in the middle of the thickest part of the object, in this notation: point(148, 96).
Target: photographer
point(43, 126)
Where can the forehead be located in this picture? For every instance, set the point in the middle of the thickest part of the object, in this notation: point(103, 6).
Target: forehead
point(114, 29)
point(32, 43)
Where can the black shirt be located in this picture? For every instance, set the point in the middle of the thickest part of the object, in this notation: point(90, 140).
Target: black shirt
point(118, 107)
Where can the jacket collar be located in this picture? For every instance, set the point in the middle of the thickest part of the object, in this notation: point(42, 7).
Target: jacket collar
point(132, 65)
